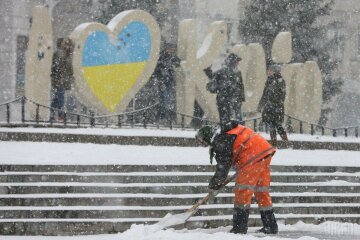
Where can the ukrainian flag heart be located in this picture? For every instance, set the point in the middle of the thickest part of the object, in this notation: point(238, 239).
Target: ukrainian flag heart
point(111, 63)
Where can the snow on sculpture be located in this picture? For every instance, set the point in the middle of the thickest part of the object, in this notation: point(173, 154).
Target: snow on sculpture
point(281, 51)
point(194, 60)
point(254, 81)
point(38, 62)
point(112, 63)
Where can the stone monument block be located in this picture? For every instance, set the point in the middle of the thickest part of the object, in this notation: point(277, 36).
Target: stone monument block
point(112, 63)
point(38, 62)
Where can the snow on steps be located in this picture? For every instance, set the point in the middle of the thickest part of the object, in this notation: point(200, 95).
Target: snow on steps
point(66, 200)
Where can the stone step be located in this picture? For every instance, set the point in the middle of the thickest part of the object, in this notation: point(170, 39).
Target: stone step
point(91, 212)
point(160, 200)
point(64, 200)
point(164, 177)
point(173, 188)
point(51, 227)
point(161, 168)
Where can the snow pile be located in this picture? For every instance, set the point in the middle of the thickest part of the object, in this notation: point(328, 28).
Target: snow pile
point(328, 228)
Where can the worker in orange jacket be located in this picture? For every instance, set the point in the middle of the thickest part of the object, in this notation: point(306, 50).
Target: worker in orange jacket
point(237, 146)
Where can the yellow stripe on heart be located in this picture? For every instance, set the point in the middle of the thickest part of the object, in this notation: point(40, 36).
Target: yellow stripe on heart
point(110, 83)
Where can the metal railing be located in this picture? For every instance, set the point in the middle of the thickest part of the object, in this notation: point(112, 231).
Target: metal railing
point(141, 118)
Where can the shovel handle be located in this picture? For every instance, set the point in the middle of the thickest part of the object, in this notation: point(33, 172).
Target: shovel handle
point(207, 197)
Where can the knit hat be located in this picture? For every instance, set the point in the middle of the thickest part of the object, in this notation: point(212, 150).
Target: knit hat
point(232, 59)
point(205, 134)
point(275, 68)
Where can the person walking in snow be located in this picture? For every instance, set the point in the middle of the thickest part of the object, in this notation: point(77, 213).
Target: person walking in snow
point(164, 76)
point(61, 76)
point(271, 104)
point(229, 88)
point(234, 145)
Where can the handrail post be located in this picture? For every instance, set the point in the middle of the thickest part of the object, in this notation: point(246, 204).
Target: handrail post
point(334, 132)
point(8, 113)
point(301, 127)
point(312, 131)
point(119, 121)
point(132, 120)
point(23, 100)
point(65, 118)
point(322, 131)
point(255, 125)
point(182, 121)
point(144, 119)
point(37, 113)
point(92, 119)
point(346, 132)
point(356, 132)
point(78, 120)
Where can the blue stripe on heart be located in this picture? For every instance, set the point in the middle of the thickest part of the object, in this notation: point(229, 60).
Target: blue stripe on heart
point(133, 44)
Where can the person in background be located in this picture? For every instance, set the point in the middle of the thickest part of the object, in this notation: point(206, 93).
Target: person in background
point(61, 76)
point(164, 78)
point(229, 88)
point(234, 145)
point(271, 104)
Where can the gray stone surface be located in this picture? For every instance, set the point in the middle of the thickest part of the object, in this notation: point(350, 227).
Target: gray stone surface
point(60, 196)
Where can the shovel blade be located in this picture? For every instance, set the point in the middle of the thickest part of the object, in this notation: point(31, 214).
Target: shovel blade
point(172, 220)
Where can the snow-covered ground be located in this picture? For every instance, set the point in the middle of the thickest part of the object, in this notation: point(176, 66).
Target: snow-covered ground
point(302, 231)
point(93, 154)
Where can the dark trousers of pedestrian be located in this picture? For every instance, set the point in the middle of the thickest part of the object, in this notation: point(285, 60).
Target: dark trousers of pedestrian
point(229, 110)
point(164, 105)
point(57, 103)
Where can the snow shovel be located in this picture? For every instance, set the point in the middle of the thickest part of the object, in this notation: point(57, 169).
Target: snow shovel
point(172, 220)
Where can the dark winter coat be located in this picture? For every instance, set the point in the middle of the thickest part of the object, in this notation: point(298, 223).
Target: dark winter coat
point(272, 101)
point(164, 73)
point(61, 71)
point(221, 148)
point(227, 84)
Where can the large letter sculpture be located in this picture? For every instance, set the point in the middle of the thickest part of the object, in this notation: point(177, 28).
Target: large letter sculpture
point(194, 60)
point(252, 67)
point(38, 62)
point(112, 63)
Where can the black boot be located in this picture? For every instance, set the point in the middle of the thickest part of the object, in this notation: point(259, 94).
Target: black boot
point(269, 222)
point(240, 221)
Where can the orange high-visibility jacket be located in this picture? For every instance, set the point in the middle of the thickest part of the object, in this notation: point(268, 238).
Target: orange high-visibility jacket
point(249, 147)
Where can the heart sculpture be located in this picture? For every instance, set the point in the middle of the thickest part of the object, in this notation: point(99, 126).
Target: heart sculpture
point(111, 63)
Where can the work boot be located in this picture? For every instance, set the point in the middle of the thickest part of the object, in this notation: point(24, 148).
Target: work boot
point(269, 222)
point(240, 221)
point(273, 140)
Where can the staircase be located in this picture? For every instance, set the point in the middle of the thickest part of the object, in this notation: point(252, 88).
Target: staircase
point(68, 200)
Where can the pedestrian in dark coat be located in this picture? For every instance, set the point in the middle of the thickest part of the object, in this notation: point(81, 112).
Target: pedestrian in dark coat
point(61, 75)
point(164, 78)
point(228, 85)
point(272, 103)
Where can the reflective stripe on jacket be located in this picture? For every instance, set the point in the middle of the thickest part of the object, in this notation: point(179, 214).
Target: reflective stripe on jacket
point(249, 147)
